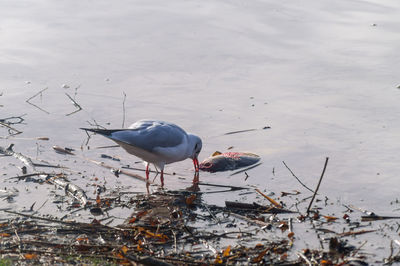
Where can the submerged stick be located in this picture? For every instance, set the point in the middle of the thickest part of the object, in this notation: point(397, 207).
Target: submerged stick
point(319, 183)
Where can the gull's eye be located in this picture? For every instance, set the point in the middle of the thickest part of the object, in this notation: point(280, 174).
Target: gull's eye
point(207, 165)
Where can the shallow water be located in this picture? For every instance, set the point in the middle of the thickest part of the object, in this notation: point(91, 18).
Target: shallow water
point(323, 76)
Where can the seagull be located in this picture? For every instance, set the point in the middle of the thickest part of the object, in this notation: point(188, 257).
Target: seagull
point(155, 142)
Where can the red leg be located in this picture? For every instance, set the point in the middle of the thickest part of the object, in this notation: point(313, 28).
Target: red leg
point(162, 178)
point(196, 165)
point(147, 172)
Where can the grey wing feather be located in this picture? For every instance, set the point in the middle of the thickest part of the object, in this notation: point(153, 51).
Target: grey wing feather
point(147, 135)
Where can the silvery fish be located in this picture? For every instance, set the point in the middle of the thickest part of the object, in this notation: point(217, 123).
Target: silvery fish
point(228, 161)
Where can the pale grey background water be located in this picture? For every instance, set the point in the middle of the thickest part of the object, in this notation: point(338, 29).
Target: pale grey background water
point(322, 74)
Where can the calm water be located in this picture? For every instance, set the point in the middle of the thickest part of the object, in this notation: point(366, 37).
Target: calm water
point(323, 75)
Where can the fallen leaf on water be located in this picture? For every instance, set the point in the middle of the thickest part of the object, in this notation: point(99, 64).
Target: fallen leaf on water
point(98, 200)
point(227, 251)
point(30, 256)
point(326, 262)
point(216, 153)
point(218, 260)
point(139, 248)
point(260, 256)
point(330, 218)
point(124, 249)
point(283, 226)
point(190, 199)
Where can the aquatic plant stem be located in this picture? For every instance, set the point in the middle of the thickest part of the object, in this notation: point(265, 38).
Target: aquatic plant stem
point(319, 183)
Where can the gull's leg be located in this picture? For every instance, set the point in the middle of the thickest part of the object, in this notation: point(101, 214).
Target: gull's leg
point(162, 178)
point(196, 165)
point(147, 172)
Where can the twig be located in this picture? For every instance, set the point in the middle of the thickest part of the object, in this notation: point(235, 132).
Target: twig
point(233, 188)
point(245, 130)
point(20, 177)
point(353, 233)
point(39, 93)
point(304, 258)
point(276, 204)
point(246, 169)
point(319, 183)
point(10, 128)
point(256, 222)
point(79, 108)
point(297, 177)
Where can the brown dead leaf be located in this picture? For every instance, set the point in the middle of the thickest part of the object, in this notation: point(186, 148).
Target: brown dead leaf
point(139, 248)
point(82, 239)
point(330, 218)
point(191, 199)
point(216, 153)
point(98, 200)
point(326, 262)
point(218, 260)
point(283, 226)
point(5, 234)
point(290, 235)
point(124, 249)
point(260, 256)
point(30, 256)
point(227, 251)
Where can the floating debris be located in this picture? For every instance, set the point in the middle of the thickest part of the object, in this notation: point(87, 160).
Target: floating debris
point(219, 162)
point(9, 152)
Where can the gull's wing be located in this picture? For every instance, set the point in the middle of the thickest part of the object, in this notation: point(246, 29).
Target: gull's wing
point(146, 134)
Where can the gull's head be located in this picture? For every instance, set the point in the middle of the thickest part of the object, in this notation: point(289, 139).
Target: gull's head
point(196, 145)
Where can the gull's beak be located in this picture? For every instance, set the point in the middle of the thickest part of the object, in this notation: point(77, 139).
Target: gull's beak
point(196, 164)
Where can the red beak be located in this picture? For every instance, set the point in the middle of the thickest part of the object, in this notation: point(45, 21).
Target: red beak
point(196, 164)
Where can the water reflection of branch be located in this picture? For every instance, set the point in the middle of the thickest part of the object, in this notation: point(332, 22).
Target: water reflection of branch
point(39, 93)
point(10, 129)
point(297, 178)
point(9, 120)
point(123, 110)
point(79, 108)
